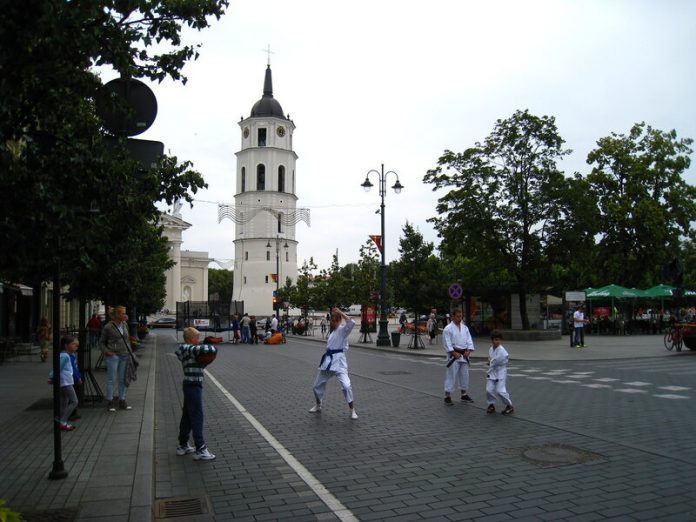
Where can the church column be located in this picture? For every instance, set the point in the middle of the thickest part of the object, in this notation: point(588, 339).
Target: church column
point(174, 290)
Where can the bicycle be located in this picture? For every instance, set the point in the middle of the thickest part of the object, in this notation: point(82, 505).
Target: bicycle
point(674, 337)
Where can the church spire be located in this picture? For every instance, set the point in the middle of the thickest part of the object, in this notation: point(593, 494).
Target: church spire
point(268, 83)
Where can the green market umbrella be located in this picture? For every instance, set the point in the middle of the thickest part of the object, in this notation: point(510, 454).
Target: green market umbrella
point(612, 292)
point(661, 291)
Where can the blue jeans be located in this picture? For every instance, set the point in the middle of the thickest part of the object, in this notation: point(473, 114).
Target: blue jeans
point(579, 335)
point(116, 368)
point(192, 416)
point(246, 334)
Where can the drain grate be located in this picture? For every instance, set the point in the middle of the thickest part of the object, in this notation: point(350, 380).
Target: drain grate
point(395, 372)
point(552, 455)
point(181, 507)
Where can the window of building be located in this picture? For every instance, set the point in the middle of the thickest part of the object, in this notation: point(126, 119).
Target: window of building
point(287, 257)
point(266, 279)
point(262, 137)
point(244, 279)
point(243, 179)
point(246, 255)
point(268, 255)
point(280, 222)
point(281, 179)
point(261, 177)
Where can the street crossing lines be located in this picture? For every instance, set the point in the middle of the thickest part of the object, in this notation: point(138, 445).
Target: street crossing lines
point(674, 388)
point(671, 396)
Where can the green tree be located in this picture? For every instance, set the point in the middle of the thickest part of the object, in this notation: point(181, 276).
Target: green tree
point(366, 274)
point(417, 276)
point(220, 283)
point(645, 206)
point(91, 208)
point(503, 194)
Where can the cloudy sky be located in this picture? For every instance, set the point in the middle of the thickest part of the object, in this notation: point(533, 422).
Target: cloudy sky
point(396, 82)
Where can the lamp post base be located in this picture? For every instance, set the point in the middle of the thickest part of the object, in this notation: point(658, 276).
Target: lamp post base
point(383, 334)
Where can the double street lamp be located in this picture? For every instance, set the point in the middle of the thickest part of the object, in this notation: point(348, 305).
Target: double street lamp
point(383, 334)
point(277, 274)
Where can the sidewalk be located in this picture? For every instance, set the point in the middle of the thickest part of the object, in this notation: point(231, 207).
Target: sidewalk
point(110, 456)
point(597, 347)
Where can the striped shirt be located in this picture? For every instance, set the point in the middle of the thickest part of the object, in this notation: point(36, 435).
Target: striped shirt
point(193, 371)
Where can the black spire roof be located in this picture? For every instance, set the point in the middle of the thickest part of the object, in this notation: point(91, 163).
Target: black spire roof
point(267, 105)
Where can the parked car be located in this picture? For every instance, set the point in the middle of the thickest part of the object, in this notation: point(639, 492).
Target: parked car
point(163, 322)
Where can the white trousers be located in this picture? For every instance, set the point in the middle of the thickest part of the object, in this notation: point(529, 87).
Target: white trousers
point(497, 388)
point(323, 377)
point(458, 372)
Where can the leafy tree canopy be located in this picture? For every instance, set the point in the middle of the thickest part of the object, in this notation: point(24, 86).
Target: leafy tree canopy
point(645, 206)
point(503, 194)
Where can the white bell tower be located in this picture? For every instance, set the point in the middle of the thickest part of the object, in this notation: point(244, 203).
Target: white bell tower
point(265, 205)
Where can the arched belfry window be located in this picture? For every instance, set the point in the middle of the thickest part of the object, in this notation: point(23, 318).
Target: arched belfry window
point(261, 177)
point(281, 179)
point(243, 179)
point(262, 137)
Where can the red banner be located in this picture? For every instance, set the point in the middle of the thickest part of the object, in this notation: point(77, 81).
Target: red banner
point(274, 277)
point(378, 242)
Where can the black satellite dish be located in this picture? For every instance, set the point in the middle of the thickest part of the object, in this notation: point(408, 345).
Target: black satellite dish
point(127, 107)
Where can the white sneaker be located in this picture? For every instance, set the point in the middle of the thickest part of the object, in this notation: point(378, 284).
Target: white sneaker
point(315, 409)
point(203, 454)
point(185, 450)
point(353, 415)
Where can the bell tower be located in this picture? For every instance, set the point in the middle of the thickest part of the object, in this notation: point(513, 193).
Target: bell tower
point(265, 205)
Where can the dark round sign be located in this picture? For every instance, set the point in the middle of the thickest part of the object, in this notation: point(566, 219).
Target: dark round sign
point(127, 107)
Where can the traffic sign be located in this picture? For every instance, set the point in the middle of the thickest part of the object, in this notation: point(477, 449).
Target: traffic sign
point(456, 291)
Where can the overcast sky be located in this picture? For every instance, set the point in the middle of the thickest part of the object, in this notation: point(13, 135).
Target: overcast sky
point(398, 82)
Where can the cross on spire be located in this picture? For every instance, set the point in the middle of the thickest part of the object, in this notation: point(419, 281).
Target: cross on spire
point(269, 52)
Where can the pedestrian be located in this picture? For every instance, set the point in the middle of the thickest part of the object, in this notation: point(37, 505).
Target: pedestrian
point(94, 329)
point(77, 378)
point(323, 324)
point(496, 376)
point(253, 330)
point(334, 363)
point(402, 322)
point(432, 328)
point(274, 323)
point(68, 397)
point(44, 334)
point(194, 358)
point(235, 329)
point(458, 344)
point(579, 322)
point(244, 325)
point(115, 345)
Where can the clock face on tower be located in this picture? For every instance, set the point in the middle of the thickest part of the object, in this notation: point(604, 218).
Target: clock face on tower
point(246, 132)
point(281, 131)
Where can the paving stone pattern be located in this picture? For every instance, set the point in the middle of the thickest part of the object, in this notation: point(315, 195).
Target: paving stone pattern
point(409, 457)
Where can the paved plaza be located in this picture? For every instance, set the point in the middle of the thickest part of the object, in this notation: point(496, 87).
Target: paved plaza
point(600, 433)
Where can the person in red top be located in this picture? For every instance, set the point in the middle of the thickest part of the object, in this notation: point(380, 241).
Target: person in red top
point(94, 328)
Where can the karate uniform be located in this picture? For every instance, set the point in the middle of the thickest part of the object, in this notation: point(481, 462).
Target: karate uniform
point(460, 338)
point(496, 377)
point(334, 362)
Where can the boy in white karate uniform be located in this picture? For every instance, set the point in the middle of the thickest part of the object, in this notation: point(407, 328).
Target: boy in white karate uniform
point(496, 377)
point(334, 363)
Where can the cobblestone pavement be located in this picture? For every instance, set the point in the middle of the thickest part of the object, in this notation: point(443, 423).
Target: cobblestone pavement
point(409, 457)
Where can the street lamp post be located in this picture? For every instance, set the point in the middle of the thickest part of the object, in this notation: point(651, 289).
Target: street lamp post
point(383, 334)
point(277, 272)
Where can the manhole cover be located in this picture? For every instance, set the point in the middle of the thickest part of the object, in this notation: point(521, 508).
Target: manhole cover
point(550, 455)
point(181, 507)
point(395, 372)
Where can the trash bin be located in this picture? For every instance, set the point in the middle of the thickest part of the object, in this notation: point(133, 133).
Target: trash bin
point(396, 337)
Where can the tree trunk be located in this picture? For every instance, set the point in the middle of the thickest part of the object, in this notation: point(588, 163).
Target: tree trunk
point(523, 310)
